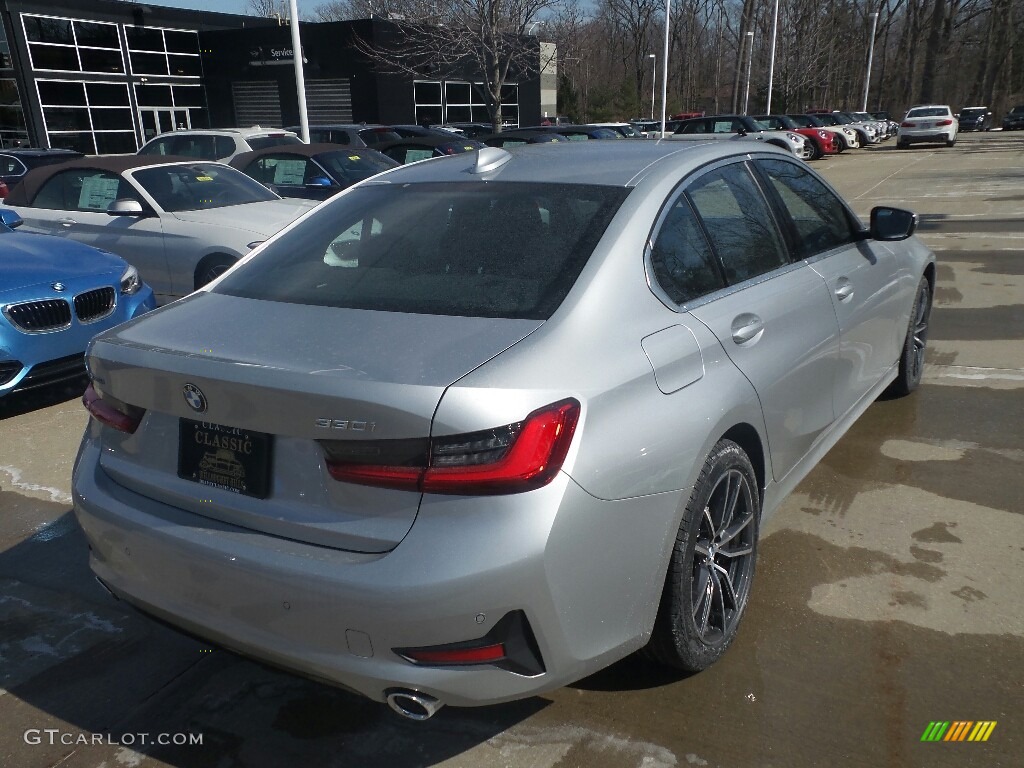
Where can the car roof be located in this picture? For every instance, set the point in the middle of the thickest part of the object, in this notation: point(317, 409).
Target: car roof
point(245, 133)
point(304, 150)
point(617, 164)
point(40, 152)
point(32, 181)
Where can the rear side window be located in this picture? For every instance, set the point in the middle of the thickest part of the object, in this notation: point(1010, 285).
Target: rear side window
point(683, 263)
point(738, 222)
point(470, 249)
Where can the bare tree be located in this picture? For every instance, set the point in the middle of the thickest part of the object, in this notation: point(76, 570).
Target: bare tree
point(266, 8)
point(434, 37)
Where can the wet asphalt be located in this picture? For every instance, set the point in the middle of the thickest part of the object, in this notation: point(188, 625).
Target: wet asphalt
point(888, 593)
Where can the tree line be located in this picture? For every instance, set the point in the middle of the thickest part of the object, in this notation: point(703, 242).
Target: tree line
point(957, 52)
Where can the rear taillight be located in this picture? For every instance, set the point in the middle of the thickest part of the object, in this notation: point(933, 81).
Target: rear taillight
point(112, 412)
point(944, 122)
point(510, 459)
point(907, 124)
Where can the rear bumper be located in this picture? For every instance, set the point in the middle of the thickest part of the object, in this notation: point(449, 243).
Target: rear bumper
point(336, 616)
point(925, 136)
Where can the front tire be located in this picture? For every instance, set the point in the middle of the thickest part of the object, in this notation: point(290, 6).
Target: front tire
point(212, 267)
point(712, 565)
point(912, 358)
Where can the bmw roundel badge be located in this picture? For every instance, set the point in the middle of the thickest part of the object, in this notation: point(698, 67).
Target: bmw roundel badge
point(59, 287)
point(194, 397)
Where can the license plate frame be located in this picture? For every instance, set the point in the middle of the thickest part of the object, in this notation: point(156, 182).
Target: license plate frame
point(228, 458)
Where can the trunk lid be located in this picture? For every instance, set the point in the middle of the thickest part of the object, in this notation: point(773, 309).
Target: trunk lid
point(299, 374)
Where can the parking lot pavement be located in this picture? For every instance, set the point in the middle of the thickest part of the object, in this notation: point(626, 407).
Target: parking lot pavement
point(887, 596)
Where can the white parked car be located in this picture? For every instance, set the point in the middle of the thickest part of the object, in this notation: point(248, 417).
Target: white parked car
point(932, 123)
point(217, 143)
point(180, 223)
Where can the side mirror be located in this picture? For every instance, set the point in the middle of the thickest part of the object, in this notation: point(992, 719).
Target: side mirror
point(319, 181)
point(125, 207)
point(892, 223)
point(10, 218)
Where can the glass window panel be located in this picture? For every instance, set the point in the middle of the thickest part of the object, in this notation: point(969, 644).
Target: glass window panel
point(5, 54)
point(185, 66)
point(89, 33)
point(66, 119)
point(431, 115)
point(144, 39)
point(819, 216)
point(683, 262)
point(460, 114)
point(148, 63)
point(510, 94)
point(96, 60)
point(53, 57)
point(9, 96)
point(107, 95)
point(427, 93)
point(43, 30)
point(181, 42)
point(119, 143)
point(199, 118)
point(61, 93)
point(458, 93)
point(188, 96)
point(81, 141)
point(738, 222)
point(153, 95)
point(13, 132)
point(112, 120)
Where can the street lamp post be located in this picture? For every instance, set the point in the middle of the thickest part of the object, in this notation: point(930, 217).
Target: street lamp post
point(654, 79)
point(871, 53)
point(771, 65)
point(664, 69)
point(750, 62)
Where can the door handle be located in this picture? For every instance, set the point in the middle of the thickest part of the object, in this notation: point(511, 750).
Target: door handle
point(746, 328)
point(844, 289)
point(67, 222)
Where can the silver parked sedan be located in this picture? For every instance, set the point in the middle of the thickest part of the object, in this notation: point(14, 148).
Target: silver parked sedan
point(482, 425)
point(179, 223)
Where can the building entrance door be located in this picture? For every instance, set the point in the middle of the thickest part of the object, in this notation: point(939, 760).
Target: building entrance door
point(155, 121)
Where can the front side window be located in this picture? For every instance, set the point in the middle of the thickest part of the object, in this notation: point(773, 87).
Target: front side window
point(683, 262)
point(200, 186)
point(353, 166)
point(738, 222)
point(820, 218)
point(83, 189)
point(467, 249)
point(289, 170)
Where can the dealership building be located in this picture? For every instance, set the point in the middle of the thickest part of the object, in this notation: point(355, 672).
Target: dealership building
point(104, 76)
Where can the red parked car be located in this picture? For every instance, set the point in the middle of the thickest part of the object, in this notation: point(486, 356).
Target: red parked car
point(823, 142)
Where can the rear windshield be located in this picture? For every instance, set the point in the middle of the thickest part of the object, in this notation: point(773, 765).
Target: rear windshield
point(355, 165)
point(475, 249)
point(928, 112)
point(972, 112)
point(262, 142)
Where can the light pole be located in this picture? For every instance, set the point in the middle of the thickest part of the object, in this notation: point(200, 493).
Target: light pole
point(664, 69)
point(654, 79)
point(871, 53)
point(771, 65)
point(750, 62)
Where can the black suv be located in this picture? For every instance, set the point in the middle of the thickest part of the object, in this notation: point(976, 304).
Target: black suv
point(975, 119)
point(1014, 121)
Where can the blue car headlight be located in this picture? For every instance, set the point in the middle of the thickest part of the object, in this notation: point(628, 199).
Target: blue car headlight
point(130, 282)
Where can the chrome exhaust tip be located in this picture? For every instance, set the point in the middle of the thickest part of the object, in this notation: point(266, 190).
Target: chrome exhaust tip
point(412, 704)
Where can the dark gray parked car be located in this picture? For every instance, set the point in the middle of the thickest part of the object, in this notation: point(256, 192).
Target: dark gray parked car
point(480, 426)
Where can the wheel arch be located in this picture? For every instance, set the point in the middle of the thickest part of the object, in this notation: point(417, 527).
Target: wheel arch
point(210, 259)
point(747, 437)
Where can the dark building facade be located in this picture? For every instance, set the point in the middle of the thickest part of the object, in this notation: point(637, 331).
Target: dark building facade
point(255, 82)
point(102, 76)
point(105, 76)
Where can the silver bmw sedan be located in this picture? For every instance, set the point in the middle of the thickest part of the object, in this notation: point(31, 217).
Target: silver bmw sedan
point(482, 425)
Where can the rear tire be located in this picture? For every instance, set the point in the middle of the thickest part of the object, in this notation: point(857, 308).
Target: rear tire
point(901, 144)
point(712, 566)
point(951, 142)
point(912, 358)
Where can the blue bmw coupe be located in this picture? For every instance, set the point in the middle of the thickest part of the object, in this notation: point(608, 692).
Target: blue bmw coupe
point(55, 295)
